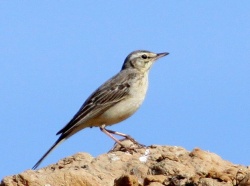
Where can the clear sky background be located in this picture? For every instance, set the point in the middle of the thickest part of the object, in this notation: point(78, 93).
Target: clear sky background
point(54, 54)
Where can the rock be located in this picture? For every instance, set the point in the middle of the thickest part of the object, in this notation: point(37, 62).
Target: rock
point(151, 166)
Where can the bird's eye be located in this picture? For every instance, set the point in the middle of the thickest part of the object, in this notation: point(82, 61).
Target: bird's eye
point(144, 56)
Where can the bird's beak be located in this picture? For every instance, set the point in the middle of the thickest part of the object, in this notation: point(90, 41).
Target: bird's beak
point(159, 55)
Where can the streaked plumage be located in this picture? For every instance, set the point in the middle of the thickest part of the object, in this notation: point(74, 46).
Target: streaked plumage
point(115, 100)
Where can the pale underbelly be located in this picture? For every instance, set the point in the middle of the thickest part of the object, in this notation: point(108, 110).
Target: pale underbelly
point(118, 112)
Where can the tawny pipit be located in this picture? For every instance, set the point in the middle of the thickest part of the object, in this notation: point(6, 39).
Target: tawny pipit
point(114, 101)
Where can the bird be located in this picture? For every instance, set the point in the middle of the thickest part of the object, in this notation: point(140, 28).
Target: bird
point(114, 101)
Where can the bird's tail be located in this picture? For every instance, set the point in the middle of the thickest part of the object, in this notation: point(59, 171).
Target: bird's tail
point(60, 140)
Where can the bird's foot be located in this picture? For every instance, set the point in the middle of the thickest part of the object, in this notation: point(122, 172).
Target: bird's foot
point(134, 141)
point(129, 145)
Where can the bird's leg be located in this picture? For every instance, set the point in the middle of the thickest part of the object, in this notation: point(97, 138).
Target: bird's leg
point(109, 132)
point(129, 149)
point(102, 128)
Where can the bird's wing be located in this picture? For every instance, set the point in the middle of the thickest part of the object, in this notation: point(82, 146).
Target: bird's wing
point(102, 99)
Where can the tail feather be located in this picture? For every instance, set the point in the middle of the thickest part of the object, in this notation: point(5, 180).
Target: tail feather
point(60, 140)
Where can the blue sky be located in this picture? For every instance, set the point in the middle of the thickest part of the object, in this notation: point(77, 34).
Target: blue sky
point(54, 54)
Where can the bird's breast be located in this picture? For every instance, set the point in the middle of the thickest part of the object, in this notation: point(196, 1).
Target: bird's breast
point(125, 108)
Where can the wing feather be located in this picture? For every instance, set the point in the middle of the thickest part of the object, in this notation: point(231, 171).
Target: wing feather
point(102, 99)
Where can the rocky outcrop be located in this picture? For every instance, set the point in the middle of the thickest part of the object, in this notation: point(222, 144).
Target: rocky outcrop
point(151, 166)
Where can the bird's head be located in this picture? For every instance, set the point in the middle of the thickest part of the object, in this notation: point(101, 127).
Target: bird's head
point(141, 60)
